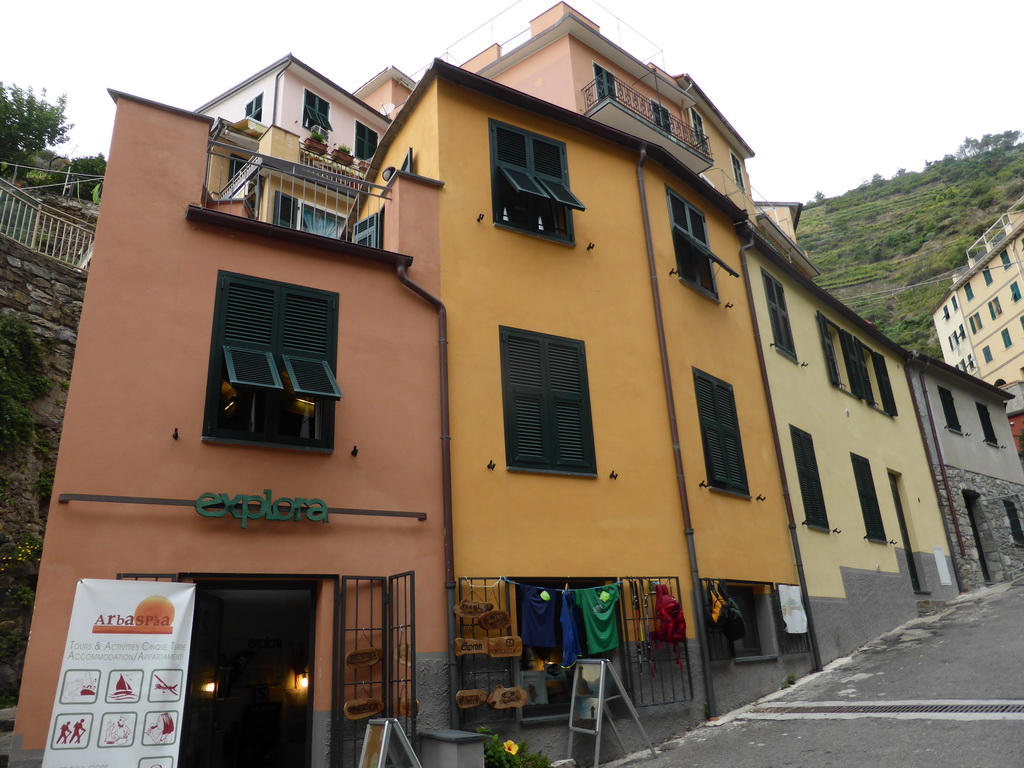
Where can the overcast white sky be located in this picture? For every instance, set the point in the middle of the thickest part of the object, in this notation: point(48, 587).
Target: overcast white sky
point(826, 93)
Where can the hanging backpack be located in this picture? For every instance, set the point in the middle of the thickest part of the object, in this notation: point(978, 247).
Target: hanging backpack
point(733, 626)
point(717, 606)
point(669, 621)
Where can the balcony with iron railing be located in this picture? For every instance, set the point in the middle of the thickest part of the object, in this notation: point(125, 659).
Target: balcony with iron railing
point(615, 103)
point(43, 229)
point(997, 234)
point(313, 194)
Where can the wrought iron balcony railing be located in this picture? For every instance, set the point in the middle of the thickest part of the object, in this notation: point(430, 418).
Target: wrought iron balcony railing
point(613, 89)
point(293, 194)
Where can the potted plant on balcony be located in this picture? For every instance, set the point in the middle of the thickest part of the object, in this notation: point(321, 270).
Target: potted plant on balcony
point(317, 142)
point(342, 154)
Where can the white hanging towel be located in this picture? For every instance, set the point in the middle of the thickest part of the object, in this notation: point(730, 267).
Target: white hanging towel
point(792, 609)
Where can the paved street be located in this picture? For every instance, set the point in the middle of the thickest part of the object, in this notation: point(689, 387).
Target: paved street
point(944, 690)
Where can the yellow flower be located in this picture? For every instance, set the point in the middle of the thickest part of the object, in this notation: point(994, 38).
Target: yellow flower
point(511, 747)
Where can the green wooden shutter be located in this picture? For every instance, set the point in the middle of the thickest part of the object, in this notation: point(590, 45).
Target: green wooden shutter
point(604, 82)
point(949, 409)
point(884, 385)
point(524, 400)
point(550, 170)
point(782, 333)
point(723, 451)
point(829, 350)
point(566, 369)
point(986, 424)
point(307, 340)
point(848, 344)
point(368, 231)
point(1012, 515)
point(810, 480)
point(366, 141)
point(248, 334)
point(873, 526)
point(286, 211)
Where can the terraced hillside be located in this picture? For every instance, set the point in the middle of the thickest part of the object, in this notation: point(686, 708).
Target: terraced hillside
point(888, 247)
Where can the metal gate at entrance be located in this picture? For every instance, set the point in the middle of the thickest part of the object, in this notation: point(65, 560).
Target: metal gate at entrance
point(376, 662)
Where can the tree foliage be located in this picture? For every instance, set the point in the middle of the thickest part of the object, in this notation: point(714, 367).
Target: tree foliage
point(29, 124)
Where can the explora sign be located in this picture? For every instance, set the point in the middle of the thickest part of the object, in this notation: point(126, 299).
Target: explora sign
point(246, 508)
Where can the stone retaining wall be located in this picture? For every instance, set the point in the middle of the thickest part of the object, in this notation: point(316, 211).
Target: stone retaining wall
point(48, 295)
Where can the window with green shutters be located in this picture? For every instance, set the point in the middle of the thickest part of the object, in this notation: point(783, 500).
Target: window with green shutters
point(810, 481)
point(369, 231)
point(530, 183)
point(986, 424)
point(695, 263)
point(366, 141)
point(272, 362)
point(987, 274)
point(986, 352)
point(1007, 341)
point(604, 83)
point(828, 347)
point(547, 403)
point(782, 332)
point(874, 529)
point(720, 433)
point(884, 385)
point(1004, 257)
point(1013, 515)
point(995, 308)
point(975, 322)
point(254, 109)
point(856, 368)
point(968, 291)
point(316, 112)
point(949, 409)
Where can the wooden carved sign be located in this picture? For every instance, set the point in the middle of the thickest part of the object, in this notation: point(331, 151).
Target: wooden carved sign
point(363, 657)
point(501, 647)
point(470, 609)
point(401, 654)
point(464, 645)
point(360, 709)
point(506, 698)
point(471, 698)
point(407, 707)
point(494, 620)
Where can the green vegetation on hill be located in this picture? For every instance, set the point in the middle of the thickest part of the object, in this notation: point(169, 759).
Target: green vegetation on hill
point(887, 248)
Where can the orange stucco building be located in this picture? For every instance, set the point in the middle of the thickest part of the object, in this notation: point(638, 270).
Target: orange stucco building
point(256, 410)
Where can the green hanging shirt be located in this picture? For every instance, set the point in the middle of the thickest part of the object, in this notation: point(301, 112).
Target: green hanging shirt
point(599, 617)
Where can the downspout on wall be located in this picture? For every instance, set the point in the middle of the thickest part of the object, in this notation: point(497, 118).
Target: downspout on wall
point(454, 712)
point(698, 612)
point(787, 499)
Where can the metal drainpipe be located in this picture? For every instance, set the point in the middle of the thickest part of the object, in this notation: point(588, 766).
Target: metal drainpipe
point(698, 612)
point(942, 466)
point(446, 489)
point(787, 499)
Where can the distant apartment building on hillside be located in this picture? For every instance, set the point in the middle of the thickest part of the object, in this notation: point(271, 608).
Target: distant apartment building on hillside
point(980, 320)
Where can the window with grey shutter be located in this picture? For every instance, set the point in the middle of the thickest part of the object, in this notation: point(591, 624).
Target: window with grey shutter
point(949, 409)
point(547, 403)
point(810, 480)
point(875, 530)
point(720, 433)
point(369, 231)
point(782, 333)
point(884, 385)
point(828, 348)
point(1013, 516)
point(986, 424)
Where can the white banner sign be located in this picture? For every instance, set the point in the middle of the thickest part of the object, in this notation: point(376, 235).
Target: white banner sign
point(121, 691)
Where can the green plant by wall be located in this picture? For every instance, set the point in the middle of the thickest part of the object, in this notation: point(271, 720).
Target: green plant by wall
point(21, 381)
point(26, 551)
point(44, 483)
point(508, 754)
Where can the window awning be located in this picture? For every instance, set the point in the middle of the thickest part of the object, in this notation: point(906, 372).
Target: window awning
point(533, 185)
point(705, 250)
point(317, 118)
point(312, 377)
point(251, 368)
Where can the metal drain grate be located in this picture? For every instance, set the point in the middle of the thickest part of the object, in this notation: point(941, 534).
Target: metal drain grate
point(882, 709)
